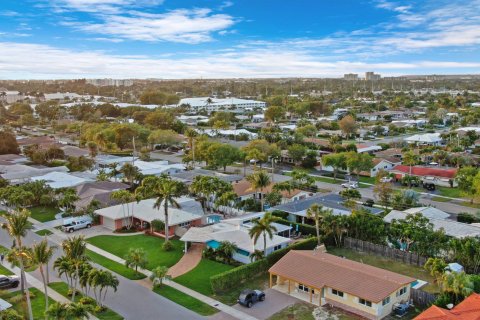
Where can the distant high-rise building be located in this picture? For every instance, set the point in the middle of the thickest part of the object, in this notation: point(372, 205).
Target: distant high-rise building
point(350, 76)
point(372, 76)
point(110, 82)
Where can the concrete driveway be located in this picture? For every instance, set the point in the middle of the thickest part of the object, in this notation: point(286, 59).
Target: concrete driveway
point(275, 301)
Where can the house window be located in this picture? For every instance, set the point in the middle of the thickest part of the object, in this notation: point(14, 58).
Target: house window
point(337, 293)
point(277, 247)
point(402, 291)
point(386, 301)
point(365, 302)
point(184, 224)
point(302, 287)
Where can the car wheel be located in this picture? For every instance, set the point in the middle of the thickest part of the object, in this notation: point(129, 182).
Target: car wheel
point(70, 230)
point(249, 305)
point(262, 298)
point(89, 226)
point(15, 285)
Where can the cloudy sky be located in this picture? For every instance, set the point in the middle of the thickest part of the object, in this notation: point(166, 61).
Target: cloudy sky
point(45, 39)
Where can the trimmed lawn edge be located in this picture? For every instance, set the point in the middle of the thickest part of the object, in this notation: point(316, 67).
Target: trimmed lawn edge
point(185, 300)
point(114, 266)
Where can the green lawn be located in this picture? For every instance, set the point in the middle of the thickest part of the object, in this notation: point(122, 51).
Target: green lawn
point(367, 179)
point(339, 181)
point(114, 266)
point(450, 192)
point(119, 246)
point(44, 232)
point(38, 303)
point(62, 288)
point(199, 278)
point(4, 271)
point(388, 264)
point(44, 214)
point(440, 199)
point(185, 300)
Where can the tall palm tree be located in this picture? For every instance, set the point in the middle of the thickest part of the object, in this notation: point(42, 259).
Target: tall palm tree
point(129, 171)
point(75, 250)
point(125, 198)
point(42, 254)
point(259, 180)
point(317, 213)
point(263, 226)
point(410, 159)
point(114, 170)
point(22, 257)
point(17, 226)
point(167, 191)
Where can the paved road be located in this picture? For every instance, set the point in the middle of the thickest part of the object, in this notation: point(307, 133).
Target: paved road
point(132, 300)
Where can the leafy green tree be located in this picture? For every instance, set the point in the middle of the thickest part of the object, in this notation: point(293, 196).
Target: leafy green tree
point(263, 227)
point(465, 177)
point(436, 268)
point(8, 142)
point(274, 113)
point(223, 154)
point(335, 160)
point(366, 226)
point(297, 152)
point(457, 284)
point(130, 172)
point(136, 258)
point(273, 198)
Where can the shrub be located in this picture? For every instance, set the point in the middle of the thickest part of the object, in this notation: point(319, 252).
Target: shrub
point(167, 246)
point(87, 301)
point(467, 218)
point(158, 225)
point(231, 278)
point(305, 229)
point(10, 314)
point(280, 214)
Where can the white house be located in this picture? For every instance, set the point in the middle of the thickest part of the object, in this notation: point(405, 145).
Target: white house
point(58, 180)
point(230, 104)
point(383, 164)
point(430, 139)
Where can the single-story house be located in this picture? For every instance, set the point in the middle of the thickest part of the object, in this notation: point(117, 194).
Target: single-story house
point(157, 168)
point(468, 309)
point(9, 159)
point(19, 173)
point(426, 139)
point(236, 231)
point(434, 175)
point(429, 212)
point(452, 228)
point(368, 149)
point(383, 164)
point(100, 191)
point(244, 191)
point(321, 278)
point(115, 217)
point(58, 180)
point(297, 210)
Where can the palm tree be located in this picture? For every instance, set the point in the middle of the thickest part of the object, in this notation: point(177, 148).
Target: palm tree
point(258, 181)
point(136, 258)
point(263, 227)
point(21, 257)
point(75, 250)
point(226, 250)
point(158, 275)
point(457, 283)
point(125, 198)
point(17, 226)
point(113, 170)
point(64, 267)
point(167, 190)
point(130, 172)
point(409, 158)
point(69, 197)
point(317, 213)
point(256, 255)
point(102, 280)
point(436, 268)
point(42, 254)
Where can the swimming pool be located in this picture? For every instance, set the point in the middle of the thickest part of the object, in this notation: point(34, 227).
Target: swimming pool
point(213, 244)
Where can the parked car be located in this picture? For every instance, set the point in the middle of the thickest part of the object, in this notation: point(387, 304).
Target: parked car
point(369, 203)
point(350, 185)
point(76, 224)
point(386, 179)
point(9, 281)
point(248, 297)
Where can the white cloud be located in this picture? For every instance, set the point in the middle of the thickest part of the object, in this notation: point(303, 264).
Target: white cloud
point(101, 6)
point(185, 26)
point(51, 62)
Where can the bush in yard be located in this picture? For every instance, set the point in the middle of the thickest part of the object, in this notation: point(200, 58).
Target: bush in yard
point(87, 300)
point(167, 246)
point(158, 225)
point(231, 278)
point(10, 314)
point(467, 218)
point(280, 214)
point(304, 229)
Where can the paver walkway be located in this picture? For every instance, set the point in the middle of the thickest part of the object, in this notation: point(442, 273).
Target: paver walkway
point(188, 262)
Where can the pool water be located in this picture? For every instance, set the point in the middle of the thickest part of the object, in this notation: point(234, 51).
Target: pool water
point(213, 244)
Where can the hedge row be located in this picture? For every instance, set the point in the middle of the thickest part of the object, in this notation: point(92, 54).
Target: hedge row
point(229, 279)
point(305, 229)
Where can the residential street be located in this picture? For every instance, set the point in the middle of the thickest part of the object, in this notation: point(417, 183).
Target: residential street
point(132, 300)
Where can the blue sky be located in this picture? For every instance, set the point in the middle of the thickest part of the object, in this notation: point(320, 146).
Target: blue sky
point(44, 39)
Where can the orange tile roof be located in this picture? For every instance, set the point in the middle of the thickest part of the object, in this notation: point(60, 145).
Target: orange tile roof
point(319, 269)
point(468, 309)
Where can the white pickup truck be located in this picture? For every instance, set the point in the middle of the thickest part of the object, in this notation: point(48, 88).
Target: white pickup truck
point(73, 224)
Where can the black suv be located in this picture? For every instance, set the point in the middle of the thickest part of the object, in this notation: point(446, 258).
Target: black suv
point(248, 297)
point(9, 282)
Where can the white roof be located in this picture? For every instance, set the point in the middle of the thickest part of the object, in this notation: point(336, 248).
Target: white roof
point(201, 102)
point(225, 231)
point(425, 138)
point(109, 159)
point(369, 148)
point(455, 267)
point(451, 228)
point(157, 167)
point(476, 129)
point(24, 172)
point(429, 212)
point(58, 180)
point(189, 210)
point(212, 132)
point(4, 305)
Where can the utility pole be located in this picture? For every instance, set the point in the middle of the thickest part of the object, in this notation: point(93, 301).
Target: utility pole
point(133, 154)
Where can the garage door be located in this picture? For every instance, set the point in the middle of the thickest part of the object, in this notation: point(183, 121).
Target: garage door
point(109, 223)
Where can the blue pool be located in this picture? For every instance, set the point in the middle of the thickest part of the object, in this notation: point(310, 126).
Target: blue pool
point(213, 244)
point(414, 283)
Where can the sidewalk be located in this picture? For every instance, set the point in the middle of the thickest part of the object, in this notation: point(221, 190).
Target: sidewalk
point(58, 236)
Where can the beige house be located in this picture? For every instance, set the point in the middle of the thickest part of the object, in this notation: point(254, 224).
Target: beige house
point(321, 278)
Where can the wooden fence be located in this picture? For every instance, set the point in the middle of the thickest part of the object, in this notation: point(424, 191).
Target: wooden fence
point(384, 251)
point(422, 298)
